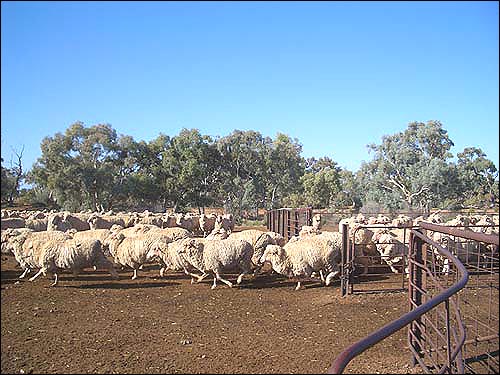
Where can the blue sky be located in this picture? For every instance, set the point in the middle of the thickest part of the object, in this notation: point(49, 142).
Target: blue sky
point(335, 75)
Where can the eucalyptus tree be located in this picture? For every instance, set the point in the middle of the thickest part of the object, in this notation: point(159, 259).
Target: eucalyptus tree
point(321, 182)
point(8, 183)
point(79, 168)
point(478, 178)
point(284, 168)
point(410, 168)
point(242, 161)
point(189, 169)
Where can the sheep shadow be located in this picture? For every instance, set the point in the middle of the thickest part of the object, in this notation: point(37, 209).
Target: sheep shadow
point(10, 276)
point(274, 281)
point(119, 285)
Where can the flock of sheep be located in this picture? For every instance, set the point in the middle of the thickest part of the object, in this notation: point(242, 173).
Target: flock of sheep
point(385, 239)
point(198, 245)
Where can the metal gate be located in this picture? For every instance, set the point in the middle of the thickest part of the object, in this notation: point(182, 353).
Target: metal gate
point(288, 221)
point(453, 322)
point(364, 270)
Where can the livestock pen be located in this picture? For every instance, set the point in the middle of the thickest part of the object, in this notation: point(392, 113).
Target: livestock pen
point(453, 318)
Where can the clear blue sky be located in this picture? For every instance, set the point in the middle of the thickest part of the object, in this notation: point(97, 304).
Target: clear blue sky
point(335, 75)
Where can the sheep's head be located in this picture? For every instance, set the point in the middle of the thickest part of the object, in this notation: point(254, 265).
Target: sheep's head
point(155, 252)
point(116, 228)
point(377, 233)
point(218, 233)
point(271, 252)
point(113, 240)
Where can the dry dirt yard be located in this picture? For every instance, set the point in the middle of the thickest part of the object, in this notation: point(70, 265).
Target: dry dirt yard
point(94, 324)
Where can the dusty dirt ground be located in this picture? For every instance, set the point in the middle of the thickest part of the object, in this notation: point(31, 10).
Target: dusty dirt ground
point(94, 324)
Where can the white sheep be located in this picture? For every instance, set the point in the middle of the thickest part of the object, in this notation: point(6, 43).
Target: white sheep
point(259, 240)
point(301, 258)
point(391, 250)
point(170, 259)
point(27, 246)
point(71, 254)
point(134, 251)
point(216, 256)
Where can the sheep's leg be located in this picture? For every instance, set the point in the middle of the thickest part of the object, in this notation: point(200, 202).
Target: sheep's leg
point(446, 267)
point(55, 279)
point(135, 274)
point(330, 276)
point(26, 271)
point(240, 277)
point(162, 271)
point(38, 274)
point(322, 276)
point(201, 277)
point(218, 277)
point(298, 285)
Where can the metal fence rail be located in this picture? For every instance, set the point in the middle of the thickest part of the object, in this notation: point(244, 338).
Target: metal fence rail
point(365, 269)
point(452, 324)
point(288, 221)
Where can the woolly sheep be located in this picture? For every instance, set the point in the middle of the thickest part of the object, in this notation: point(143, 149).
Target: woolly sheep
point(301, 258)
point(64, 221)
point(71, 254)
point(93, 234)
point(38, 225)
point(216, 256)
point(391, 250)
point(27, 247)
point(171, 259)
point(104, 222)
point(225, 221)
point(134, 251)
point(258, 239)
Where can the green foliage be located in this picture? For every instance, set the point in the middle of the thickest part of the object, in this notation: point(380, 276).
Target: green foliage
point(409, 168)
point(321, 182)
point(94, 167)
point(8, 183)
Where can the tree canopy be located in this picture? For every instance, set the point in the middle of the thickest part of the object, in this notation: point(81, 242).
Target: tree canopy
point(96, 168)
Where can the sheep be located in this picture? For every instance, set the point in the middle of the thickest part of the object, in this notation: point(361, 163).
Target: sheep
point(38, 225)
point(259, 240)
point(104, 222)
point(225, 221)
point(217, 234)
point(216, 256)
point(94, 234)
point(64, 221)
point(277, 238)
point(27, 246)
point(391, 250)
point(402, 221)
point(301, 258)
point(460, 221)
point(207, 223)
point(170, 258)
point(311, 229)
point(7, 238)
point(134, 251)
point(71, 254)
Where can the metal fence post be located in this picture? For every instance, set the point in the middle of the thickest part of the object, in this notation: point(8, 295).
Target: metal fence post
point(344, 268)
point(416, 293)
